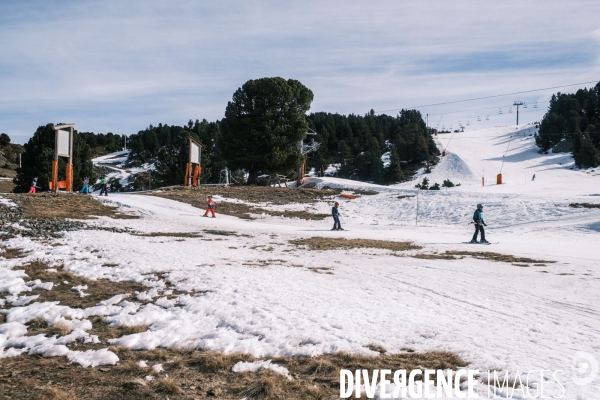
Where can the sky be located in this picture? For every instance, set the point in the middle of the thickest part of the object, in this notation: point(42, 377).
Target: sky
point(115, 66)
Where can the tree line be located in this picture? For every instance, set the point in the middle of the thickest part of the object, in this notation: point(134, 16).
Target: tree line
point(572, 123)
point(264, 123)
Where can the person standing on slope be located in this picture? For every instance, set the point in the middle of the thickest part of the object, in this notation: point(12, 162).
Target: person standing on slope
point(336, 218)
point(479, 224)
point(103, 187)
point(85, 185)
point(210, 207)
point(33, 186)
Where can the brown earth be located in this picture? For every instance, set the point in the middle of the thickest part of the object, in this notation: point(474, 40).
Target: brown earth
point(196, 196)
point(64, 205)
point(322, 243)
point(198, 375)
point(6, 186)
point(97, 291)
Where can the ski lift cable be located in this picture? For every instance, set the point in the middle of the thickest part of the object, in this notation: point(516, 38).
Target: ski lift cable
point(485, 97)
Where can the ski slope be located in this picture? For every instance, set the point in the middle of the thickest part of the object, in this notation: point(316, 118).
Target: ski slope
point(241, 296)
point(475, 154)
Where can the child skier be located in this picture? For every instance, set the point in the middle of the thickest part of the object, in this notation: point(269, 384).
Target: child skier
point(104, 188)
point(33, 186)
point(210, 207)
point(336, 217)
point(85, 188)
point(479, 224)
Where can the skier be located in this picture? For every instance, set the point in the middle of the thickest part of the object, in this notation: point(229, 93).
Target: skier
point(210, 207)
point(336, 218)
point(85, 188)
point(533, 179)
point(33, 186)
point(479, 224)
point(104, 188)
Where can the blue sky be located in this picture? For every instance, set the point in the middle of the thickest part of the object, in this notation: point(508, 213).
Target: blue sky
point(121, 66)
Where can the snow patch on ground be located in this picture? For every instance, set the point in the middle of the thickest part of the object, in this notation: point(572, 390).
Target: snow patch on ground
point(243, 366)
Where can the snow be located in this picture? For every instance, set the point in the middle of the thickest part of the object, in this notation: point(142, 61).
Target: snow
point(243, 366)
point(157, 367)
point(494, 315)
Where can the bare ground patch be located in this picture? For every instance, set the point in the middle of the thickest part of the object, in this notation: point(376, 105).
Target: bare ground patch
point(9, 253)
point(64, 205)
point(484, 255)
point(62, 292)
point(6, 186)
point(198, 375)
point(584, 205)
point(323, 243)
point(196, 197)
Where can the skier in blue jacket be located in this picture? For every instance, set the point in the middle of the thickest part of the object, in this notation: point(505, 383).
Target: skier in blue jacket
point(479, 224)
point(336, 217)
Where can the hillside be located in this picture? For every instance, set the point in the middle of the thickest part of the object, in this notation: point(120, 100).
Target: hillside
point(270, 282)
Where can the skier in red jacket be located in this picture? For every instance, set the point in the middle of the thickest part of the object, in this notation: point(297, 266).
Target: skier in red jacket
point(210, 207)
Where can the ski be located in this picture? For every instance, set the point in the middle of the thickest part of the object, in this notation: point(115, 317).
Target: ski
point(481, 243)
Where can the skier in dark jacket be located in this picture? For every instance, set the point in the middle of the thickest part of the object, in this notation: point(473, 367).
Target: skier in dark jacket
point(479, 224)
point(336, 217)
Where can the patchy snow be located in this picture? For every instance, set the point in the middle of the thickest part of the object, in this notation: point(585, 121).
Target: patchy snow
point(243, 366)
point(234, 295)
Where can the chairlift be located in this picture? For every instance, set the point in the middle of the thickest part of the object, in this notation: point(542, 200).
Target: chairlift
point(468, 123)
point(500, 112)
point(524, 105)
point(510, 110)
point(478, 119)
point(487, 118)
point(535, 105)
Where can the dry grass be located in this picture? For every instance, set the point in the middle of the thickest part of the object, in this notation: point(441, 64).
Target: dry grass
point(40, 326)
point(9, 253)
point(323, 243)
point(52, 393)
point(6, 186)
point(436, 256)
point(252, 195)
point(98, 291)
point(168, 386)
point(198, 375)
point(484, 255)
point(64, 205)
point(497, 257)
point(377, 348)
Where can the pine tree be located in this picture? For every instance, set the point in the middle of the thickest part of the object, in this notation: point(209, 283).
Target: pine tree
point(394, 173)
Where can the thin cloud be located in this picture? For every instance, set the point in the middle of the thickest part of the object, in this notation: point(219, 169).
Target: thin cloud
point(120, 66)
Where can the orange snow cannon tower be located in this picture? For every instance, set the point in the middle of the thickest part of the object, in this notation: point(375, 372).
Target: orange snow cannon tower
point(63, 147)
point(192, 172)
